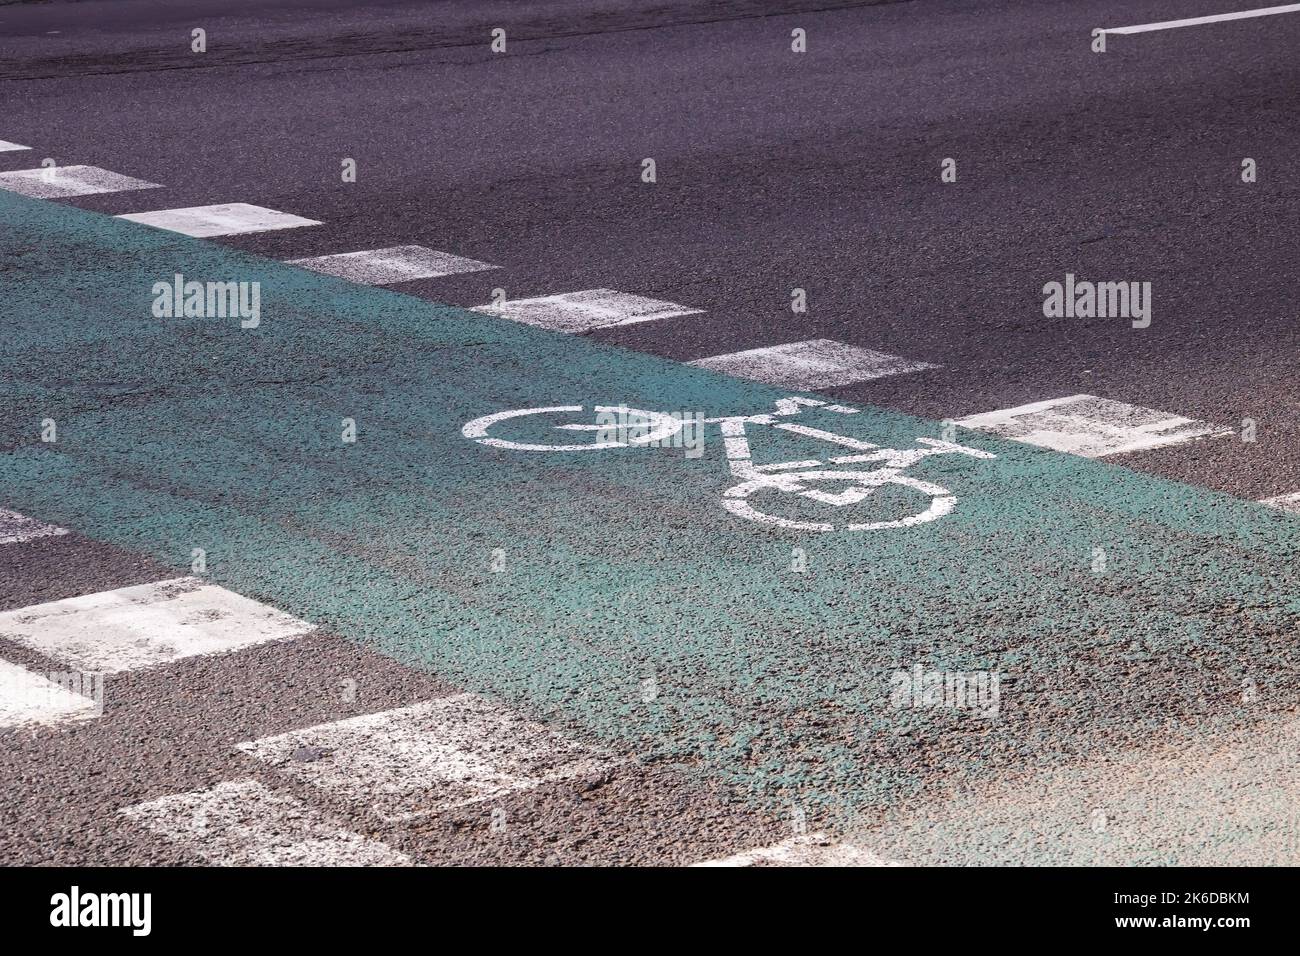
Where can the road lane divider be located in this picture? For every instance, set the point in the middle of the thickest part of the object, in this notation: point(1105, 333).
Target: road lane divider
point(224, 219)
point(812, 849)
point(19, 529)
point(1091, 427)
point(147, 624)
point(578, 312)
point(811, 364)
point(245, 823)
point(430, 757)
point(1201, 21)
point(63, 182)
point(391, 265)
point(1288, 502)
point(30, 700)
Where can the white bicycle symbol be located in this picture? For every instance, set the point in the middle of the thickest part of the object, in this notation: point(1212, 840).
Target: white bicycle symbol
point(793, 477)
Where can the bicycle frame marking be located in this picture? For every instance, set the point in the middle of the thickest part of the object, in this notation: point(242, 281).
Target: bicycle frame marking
point(791, 477)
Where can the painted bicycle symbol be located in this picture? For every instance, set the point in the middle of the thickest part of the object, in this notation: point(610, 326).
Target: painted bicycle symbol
point(863, 472)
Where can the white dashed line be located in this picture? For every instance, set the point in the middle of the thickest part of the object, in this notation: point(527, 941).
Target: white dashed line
point(1289, 502)
point(17, 529)
point(229, 219)
point(396, 264)
point(815, 849)
point(28, 699)
point(577, 312)
point(1198, 21)
point(815, 363)
point(6, 147)
point(61, 182)
point(1092, 427)
point(247, 824)
point(147, 624)
point(428, 758)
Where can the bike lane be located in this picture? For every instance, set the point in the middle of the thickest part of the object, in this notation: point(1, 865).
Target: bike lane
point(611, 591)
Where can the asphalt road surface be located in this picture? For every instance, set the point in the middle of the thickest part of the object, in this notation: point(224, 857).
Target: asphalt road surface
point(287, 583)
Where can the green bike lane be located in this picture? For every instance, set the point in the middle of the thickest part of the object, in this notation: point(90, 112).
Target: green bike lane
point(566, 584)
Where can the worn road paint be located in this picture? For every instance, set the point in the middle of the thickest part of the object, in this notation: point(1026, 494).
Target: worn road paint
point(609, 594)
point(577, 312)
point(19, 529)
point(147, 624)
point(1289, 502)
point(1209, 799)
point(1199, 21)
point(388, 266)
point(61, 182)
point(813, 849)
point(228, 219)
point(247, 824)
point(1092, 427)
point(28, 700)
point(6, 147)
point(810, 365)
point(428, 758)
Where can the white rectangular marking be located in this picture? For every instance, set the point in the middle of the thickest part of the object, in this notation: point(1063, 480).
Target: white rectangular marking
point(1090, 426)
point(229, 219)
point(17, 529)
point(147, 624)
point(815, 363)
point(429, 757)
point(815, 849)
point(577, 312)
point(28, 699)
point(6, 147)
point(1198, 21)
point(1289, 502)
point(396, 264)
point(59, 182)
point(247, 824)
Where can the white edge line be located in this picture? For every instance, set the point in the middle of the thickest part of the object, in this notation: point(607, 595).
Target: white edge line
point(1199, 21)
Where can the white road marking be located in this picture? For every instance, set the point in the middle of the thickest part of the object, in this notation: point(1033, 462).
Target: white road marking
point(815, 849)
point(28, 699)
point(247, 824)
point(1198, 21)
point(17, 529)
point(59, 182)
point(660, 427)
point(395, 264)
point(229, 219)
point(815, 363)
point(1289, 502)
point(577, 312)
point(6, 147)
point(429, 757)
point(1092, 427)
point(147, 624)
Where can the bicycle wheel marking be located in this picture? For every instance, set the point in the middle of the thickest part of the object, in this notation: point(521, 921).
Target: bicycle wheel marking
point(795, 478)
point(665, 426)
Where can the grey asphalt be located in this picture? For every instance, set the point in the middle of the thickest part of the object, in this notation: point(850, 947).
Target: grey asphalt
point(775, 171)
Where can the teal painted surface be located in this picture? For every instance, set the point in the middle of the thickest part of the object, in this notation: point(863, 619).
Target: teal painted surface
point(620, 565)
